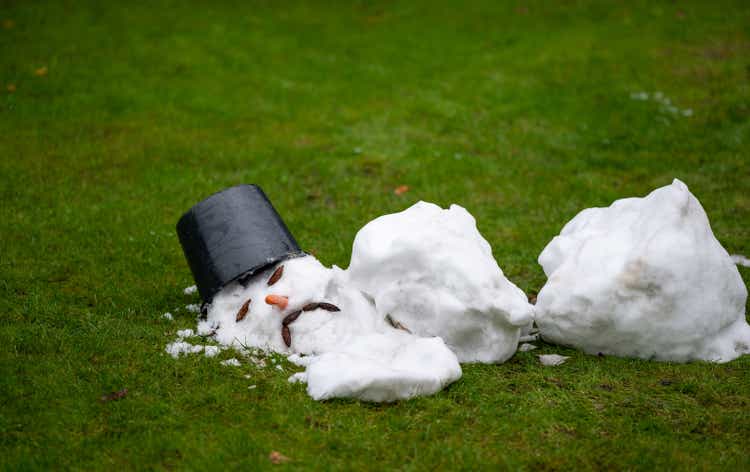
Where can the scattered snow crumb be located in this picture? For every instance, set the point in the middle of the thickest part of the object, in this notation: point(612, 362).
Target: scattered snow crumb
point(211, 351)
point(233, 362)
point(178, 348)
point(190, 290)
point(552, 359)
point(739, 259)
point(193, 308)
point(529, 338)
point(168, 316)
point(185, 333)
point(251, 387)
point(664, 101)
point(257, 362)
point(278, 367)
point(247, 376)
point(526, 347)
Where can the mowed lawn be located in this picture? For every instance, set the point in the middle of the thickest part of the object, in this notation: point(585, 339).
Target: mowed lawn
point(116, 117)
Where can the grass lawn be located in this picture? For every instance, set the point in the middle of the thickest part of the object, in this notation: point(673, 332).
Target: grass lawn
point(116, 118)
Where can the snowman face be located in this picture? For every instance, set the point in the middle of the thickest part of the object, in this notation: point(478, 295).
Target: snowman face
point(292, 285)
point(282, 303)
point(298, 305)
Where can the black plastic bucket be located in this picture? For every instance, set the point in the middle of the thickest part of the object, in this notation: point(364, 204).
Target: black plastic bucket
point(231, 235)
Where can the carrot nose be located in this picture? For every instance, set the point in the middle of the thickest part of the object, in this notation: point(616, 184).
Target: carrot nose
point(278, 300)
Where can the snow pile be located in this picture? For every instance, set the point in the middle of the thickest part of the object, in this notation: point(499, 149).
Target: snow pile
point(431, 272)
point(376, 331)
point(644, 277)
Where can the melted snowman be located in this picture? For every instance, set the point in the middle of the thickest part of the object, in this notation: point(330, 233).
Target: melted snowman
point(425, 269)
point(312, 313)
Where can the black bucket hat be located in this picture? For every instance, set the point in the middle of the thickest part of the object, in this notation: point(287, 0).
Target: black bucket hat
point(232, 235)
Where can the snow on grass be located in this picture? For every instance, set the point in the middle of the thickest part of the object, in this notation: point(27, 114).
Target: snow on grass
point(665, 103)
point(552, 359)
point(178, 348)
point(185, 333)
point(212, 351)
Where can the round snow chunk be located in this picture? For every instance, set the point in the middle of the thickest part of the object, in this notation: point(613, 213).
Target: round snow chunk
point(382, 368)
point(644, 277)
point(431, 272)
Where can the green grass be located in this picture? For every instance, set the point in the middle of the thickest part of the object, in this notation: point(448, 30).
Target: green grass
point(519, 111)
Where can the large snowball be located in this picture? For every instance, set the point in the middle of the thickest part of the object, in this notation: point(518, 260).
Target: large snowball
point(430, 270)
point(644, 277)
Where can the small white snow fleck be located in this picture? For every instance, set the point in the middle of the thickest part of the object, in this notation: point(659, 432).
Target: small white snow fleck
point(552, 359)
point(247, 376)
point(178, 348)
point(190, 290)
point(259, 363)
point(526, 347)
point(185, 333)
point(739, 259)
point(168, 316)
point(639, 96)
point(687, 112)
point(193, 308)
point(251, 387)
point(211, 351)
point(278, 367)
point(233, 362)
